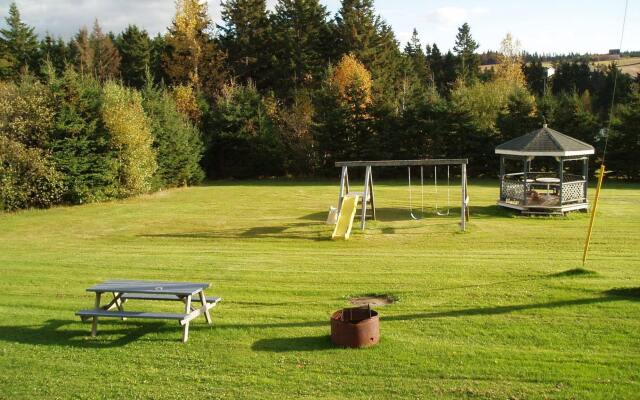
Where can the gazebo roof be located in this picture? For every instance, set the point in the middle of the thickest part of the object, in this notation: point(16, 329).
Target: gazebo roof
point(545, 142)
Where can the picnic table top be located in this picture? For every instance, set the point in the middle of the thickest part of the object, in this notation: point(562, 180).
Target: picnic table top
point(157, 287)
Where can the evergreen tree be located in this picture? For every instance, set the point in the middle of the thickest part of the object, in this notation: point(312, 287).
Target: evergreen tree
point(158, 49)
point(624, 139)
point(18, 45)
point(358, 30)
point(54, 51)
point(449, 72)
point(245, 142)
point(176, 141)
point(519, 117)
point(134, 46)
point(536, 75)
point(301, 44)
point(413, 51)
point(82, 52)
point(80, 141)
point(246, 37)
point(436, 66)
point(106, 58)
point(362, 33)
point(465, 47)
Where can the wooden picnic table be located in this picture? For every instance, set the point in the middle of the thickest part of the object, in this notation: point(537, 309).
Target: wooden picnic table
point(123, 290)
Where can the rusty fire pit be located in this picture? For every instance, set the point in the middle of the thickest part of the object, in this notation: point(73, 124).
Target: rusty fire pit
point(355, 327)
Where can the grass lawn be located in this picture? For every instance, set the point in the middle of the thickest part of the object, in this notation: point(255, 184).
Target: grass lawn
point(490, 313)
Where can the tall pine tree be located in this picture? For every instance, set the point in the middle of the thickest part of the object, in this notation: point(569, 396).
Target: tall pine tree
point(106, 58)
point(18, 45)
point(364, 34)
point(418, 60)
point(246, 37)
point(54, 51)
point(302, 48)
point(465, 47)
point(134, 46)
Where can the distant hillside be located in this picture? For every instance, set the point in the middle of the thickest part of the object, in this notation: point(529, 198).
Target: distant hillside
point(628, 65)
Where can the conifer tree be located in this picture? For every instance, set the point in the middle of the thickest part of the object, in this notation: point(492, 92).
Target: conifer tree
point(18, 45)
point(177, 142)
point(134, 46)
point(302, 39)
point(246, 37)
point(364, 34)
point(418, 60)
point(358, 27)
point(83, 52)
point(106, 58)
point(465, 47)
point(54, 51)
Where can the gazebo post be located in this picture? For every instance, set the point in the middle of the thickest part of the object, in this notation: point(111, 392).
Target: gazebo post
point(526, 177)
point(502, 197)
point(561, 176)
point(585, 175)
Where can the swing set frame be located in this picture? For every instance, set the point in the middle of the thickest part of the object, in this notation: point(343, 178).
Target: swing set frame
point(368, 196)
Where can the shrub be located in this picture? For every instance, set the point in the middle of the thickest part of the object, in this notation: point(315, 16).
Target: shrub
point(28, 177)
point(26, 112)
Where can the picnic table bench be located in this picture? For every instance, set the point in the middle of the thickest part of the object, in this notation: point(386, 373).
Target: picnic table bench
point(123, 290)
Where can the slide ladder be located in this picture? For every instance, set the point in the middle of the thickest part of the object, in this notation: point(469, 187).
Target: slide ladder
point(346, 216)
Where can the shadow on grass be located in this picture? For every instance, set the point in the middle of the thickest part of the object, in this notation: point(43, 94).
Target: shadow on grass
point(393, 214)
point(287, 231)
point(575, 272)
point(627, 293)
point(303, 343)
point(54, 333)
point(488, 212)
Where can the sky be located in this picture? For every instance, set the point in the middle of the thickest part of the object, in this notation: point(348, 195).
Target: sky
point(543, 26)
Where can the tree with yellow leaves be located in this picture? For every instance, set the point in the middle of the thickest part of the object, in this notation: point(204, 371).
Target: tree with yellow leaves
point(509, 66)
point(130, 136)
point(191, 52)
point(353, 82)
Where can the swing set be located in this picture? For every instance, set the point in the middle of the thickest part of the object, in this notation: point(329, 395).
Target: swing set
point(367, 197)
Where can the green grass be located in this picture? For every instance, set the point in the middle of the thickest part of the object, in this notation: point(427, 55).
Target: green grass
point(495, 312)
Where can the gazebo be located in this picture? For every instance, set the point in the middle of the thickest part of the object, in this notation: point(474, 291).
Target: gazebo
point(556, 184)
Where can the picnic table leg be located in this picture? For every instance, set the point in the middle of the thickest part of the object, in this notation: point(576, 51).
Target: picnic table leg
point(187, 310)
point(94, 325)
point(203, 300)
point(119, 303)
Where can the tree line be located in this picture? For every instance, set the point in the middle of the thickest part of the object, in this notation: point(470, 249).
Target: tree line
point(274, 93)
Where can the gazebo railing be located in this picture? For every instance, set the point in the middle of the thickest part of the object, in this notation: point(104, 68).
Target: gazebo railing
point(514, 188)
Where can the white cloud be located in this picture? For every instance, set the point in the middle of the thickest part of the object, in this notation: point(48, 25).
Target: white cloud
point(451, 16)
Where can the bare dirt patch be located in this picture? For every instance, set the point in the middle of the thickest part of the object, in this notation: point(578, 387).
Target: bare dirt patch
point(372, 300)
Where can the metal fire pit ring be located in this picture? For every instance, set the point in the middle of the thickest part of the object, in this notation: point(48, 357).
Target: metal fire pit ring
point(355, 327)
